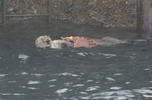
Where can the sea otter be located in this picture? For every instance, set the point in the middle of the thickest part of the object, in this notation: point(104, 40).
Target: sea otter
point(76, 42)
point(46, 42)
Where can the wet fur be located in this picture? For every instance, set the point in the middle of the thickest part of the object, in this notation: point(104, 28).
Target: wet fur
point(46, 42)
point(43, 42)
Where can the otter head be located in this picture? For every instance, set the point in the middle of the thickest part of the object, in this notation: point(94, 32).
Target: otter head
point(43, 42)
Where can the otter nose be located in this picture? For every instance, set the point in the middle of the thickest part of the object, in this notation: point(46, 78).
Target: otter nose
point(48, 41)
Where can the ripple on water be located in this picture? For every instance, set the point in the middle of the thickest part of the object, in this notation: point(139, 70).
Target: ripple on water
point(110, 79)
point(116, 88)
point(60, 91)
point(67, 74)
point(3, 75)
point(148, 96)
point(33, 82)
point(52, 80)
point(52, 86)
point(78, 85)
point(116, 95)
point(117, 74)
point(37, 75)
point(89, 81)
point(82, 54)
point(10, 94)
point(92, 88)
point(147, 69)
point(32, 88)
point(23, 58)
point(143, 91)
point(107, 55)
point(71, 87)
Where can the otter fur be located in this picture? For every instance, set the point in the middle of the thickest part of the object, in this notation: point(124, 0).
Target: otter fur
point(76, 42)
point(46, 42)
point(43, 42)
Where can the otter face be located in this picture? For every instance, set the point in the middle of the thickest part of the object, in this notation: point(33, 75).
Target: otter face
point(43, 42)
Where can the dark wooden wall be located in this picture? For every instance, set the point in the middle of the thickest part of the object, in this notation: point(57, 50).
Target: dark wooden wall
point(144, 18)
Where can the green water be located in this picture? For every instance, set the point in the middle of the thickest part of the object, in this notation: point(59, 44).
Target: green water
point(121, 72)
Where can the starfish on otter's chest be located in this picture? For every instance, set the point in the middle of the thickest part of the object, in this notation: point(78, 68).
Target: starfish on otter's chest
point(81, 41)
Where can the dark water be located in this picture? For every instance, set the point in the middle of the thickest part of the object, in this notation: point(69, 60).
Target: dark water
point(122, 72)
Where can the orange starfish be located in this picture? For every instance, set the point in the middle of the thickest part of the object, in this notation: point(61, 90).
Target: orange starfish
point(81, 41)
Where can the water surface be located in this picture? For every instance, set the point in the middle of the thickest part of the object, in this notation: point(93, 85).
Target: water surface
point(121, 72)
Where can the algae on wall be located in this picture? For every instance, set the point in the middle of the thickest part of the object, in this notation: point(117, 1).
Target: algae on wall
point(109, 13)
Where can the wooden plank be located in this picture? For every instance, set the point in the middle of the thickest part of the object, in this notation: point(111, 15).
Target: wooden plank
point(144, 17)
point(3, 11)
point(4, 15)
point(50, 11)
point(26, 15)
point(150, 16)
point(139, 17)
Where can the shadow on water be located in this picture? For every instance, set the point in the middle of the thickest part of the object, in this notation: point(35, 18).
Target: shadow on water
point(121, 72)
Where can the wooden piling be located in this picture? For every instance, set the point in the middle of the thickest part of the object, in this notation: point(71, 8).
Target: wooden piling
point(3, 5)
point(144, 17)
point(50, 11)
